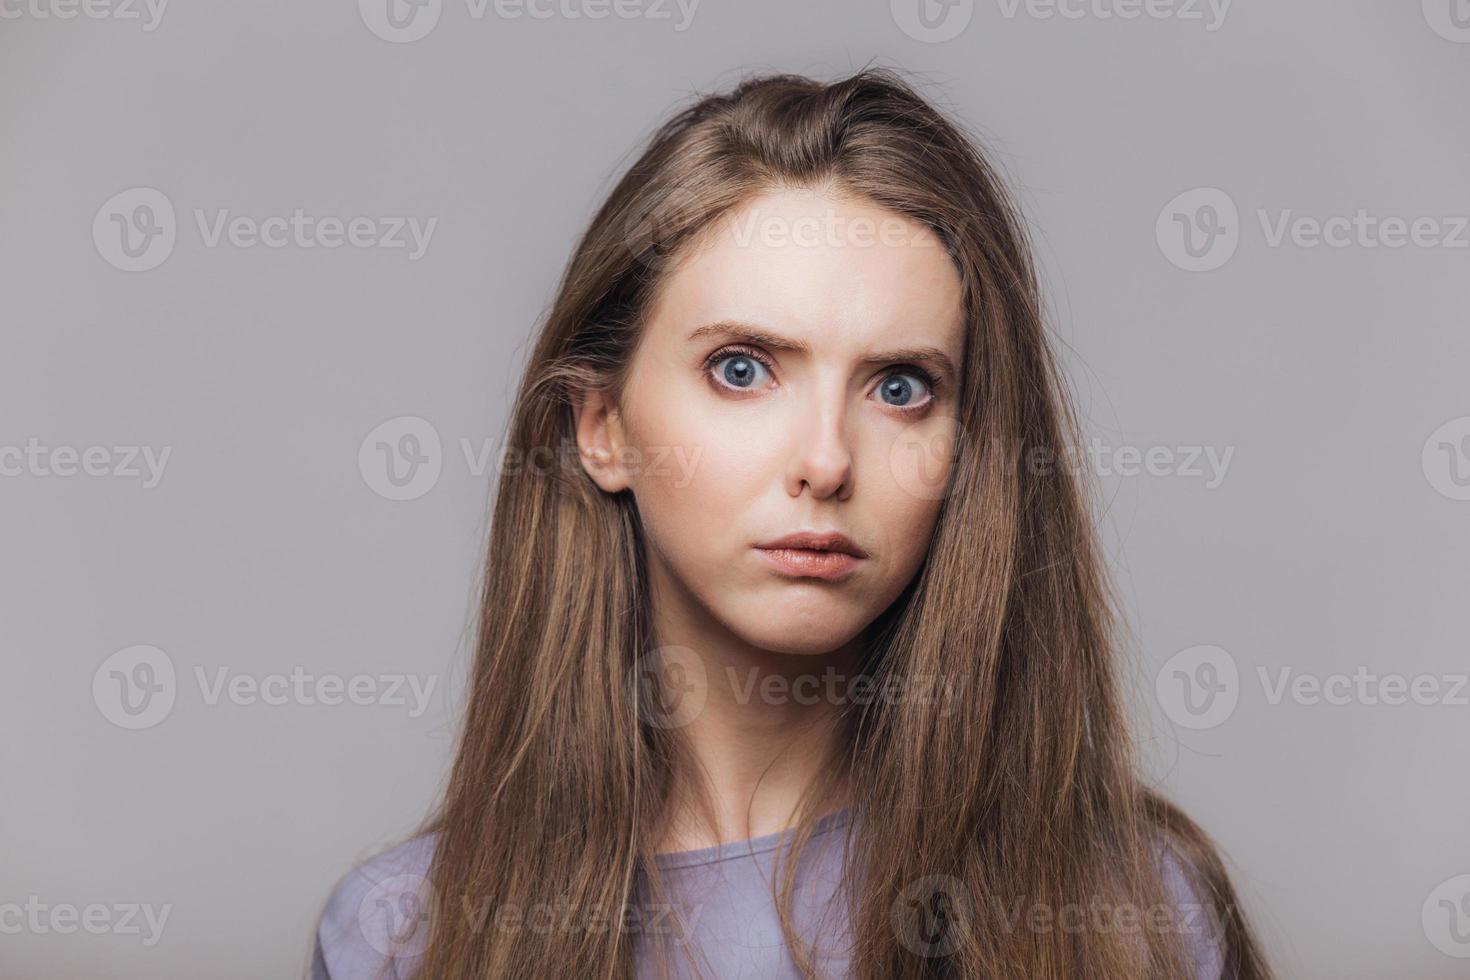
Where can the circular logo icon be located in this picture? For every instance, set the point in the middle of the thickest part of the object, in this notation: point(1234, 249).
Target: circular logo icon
point(1199, 687)
point(400, 21)
point(135, 687)
point(671, 685)
point(402, 458)
point(923, 455)
point(1450, 19)
point(394, 916)
point(1199, 230)
point(1446, 459)
point(931, 916)
point(1446, 917)
point(135, 230)
point(654, 220)
point(932, 21)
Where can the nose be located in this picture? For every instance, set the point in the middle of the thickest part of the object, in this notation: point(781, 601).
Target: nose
point(821, 460)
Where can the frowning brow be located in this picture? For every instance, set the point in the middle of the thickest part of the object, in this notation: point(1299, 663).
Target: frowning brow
point(751, 334)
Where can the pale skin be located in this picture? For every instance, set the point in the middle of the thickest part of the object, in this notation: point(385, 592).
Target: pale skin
point(812, 428)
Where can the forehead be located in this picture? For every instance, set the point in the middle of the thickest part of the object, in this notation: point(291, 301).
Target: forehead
point(827, 269)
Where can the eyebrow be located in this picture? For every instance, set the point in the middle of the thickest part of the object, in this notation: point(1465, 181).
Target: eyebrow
point(752, 334)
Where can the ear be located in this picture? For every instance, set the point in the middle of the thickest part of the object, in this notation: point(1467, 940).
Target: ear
point(601, 441)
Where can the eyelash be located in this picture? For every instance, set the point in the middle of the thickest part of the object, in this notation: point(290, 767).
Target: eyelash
point(760, 357)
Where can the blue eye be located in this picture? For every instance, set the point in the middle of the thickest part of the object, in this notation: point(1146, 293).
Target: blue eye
point(740, 370)
point(905, 389)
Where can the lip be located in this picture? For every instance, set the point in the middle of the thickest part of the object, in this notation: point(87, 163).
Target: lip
point(828, 555)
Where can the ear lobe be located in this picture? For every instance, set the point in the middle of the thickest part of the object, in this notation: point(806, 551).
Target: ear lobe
point(600, 441)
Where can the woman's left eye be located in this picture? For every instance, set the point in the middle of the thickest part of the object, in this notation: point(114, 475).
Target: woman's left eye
point(906, 389)
point(739, 370)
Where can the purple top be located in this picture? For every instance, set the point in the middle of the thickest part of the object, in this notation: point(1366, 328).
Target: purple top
point(728, 917)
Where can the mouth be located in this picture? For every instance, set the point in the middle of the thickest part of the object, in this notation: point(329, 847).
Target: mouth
point(814, 554)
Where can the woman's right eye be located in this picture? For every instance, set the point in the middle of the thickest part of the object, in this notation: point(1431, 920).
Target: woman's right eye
point(740, 371)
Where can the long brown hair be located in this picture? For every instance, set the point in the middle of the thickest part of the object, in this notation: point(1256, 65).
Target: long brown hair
point(1021, 793)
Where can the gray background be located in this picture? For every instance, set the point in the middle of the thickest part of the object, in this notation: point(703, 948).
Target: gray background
point(1335, 542)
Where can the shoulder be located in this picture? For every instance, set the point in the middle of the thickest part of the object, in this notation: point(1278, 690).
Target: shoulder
point(373, 925)
point(1193, 912)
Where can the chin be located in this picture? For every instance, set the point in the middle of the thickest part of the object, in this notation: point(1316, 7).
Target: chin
point(805, 629)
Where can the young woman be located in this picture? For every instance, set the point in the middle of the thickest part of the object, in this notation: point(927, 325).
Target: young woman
point(795, 656)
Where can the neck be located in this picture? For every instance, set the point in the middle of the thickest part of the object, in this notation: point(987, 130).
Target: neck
point(760, 726)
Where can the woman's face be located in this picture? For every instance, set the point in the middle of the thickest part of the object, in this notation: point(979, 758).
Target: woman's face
point(797, 373)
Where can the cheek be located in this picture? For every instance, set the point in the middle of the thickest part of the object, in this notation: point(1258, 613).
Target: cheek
point(907, 480)
point(920, 457)
point(698, 476)
point(906, 523)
